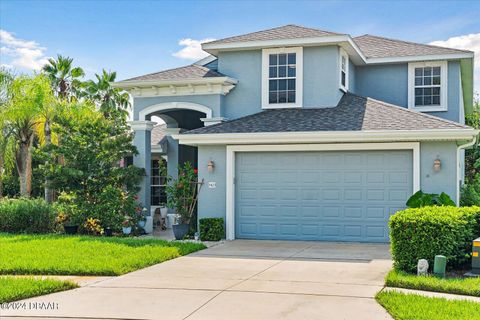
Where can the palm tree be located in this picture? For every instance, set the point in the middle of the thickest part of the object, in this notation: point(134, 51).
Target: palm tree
point(112, 102)
point(23, 113)
point(66, 84)
point(65, 79)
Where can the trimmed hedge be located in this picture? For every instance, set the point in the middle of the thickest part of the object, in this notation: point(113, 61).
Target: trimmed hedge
point(26, 216)
point(212, 229)
point(422, 233)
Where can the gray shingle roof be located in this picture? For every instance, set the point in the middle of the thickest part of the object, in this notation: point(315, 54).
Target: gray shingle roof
point(353, 113)
point(290, 31)
point(158, 133)
point(183, 73)
point(380, 47)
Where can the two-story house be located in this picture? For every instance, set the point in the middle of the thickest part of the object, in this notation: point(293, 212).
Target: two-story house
point(306, 134)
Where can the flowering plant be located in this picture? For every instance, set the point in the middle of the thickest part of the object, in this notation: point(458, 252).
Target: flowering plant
point(93, 226)
point(127, 221)
point(182, 192)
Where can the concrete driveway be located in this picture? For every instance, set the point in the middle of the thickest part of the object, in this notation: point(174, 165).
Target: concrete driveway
point(238, 280)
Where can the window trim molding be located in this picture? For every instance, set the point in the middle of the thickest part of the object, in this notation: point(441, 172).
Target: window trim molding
point(298, 78)
point(342, 54)
point(443, 86)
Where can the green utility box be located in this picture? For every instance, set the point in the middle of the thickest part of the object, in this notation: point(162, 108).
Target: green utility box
point(476, 256)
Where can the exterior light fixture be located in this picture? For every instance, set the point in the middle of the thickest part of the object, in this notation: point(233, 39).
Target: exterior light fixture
point(210, 166)
point(437, 165)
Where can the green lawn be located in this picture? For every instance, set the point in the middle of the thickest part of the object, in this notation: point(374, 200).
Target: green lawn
point(12, 289)
point(466, 286)
point(81, 255)
point(414, 307)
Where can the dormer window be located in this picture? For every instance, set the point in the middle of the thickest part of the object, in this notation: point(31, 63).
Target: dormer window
point(427, 86)
point(343, 70)
point(282, 78)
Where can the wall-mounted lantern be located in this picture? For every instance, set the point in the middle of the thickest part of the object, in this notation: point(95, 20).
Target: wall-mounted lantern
point(210, 166)
point(437, 165)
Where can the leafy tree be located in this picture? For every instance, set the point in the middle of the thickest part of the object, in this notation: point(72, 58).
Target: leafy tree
point(30, 95)
point(6, 141)
point(92, 148)
point(472, 156)
point(65, 78)
point(112, 102)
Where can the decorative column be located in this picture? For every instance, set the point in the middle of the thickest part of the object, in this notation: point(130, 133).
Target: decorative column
point(172, 152)
point(142, 141)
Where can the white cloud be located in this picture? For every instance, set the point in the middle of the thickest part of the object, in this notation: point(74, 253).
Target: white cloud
point(193, 49)
point(466, 42)
point(23, 54)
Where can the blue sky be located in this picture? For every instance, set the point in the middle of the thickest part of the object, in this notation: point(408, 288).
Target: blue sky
point(137, 37)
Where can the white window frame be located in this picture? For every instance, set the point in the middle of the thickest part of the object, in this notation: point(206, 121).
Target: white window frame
point(343, 54)
point(160, 185)
point(298, 78)
point(443, 86)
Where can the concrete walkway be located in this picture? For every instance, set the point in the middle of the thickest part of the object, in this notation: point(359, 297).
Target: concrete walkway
point(237, 280)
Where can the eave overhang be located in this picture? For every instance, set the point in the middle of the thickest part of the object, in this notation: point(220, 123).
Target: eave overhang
point(344, 41)
point(151, 88)
point(466, 134)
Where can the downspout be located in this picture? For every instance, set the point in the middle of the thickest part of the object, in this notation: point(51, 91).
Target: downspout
point(460, 147)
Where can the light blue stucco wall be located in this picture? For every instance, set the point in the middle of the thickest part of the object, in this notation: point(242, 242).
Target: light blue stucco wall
point(246, 67)
point(213, 101)
point(320, 79)
point(383, 82)
point(352, 70)
point(389, 83)
point(212, 202)
point(446, 179)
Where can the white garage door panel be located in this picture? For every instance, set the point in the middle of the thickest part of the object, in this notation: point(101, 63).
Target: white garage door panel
point(327, 195)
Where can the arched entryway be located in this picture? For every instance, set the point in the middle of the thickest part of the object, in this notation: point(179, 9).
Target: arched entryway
point(175, 117)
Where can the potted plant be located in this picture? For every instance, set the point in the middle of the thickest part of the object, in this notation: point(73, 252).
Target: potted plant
point(182, 196)
point(67, 213)
point(127, 225)
point(108, 232)
point(69, 226)
point(141, 216)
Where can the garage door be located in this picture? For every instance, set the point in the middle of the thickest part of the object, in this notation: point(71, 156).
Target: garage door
point(335, 196)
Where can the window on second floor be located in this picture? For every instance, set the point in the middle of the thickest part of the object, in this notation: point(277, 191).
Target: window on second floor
point(282, 78)
point(343, 70)
point(427, 86)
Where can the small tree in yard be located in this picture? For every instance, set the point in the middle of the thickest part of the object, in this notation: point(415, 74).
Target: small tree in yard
point(30, 97)
point(91, 150)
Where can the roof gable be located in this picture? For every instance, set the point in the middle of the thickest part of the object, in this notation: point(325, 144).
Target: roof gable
point(290, 31)
point(381, 47)
point(190, 72)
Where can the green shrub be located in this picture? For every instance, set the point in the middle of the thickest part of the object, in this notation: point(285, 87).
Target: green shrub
point(422, 233)
point(212, 229)
point(26, 216)
point(470, 193)
point(421, 199)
